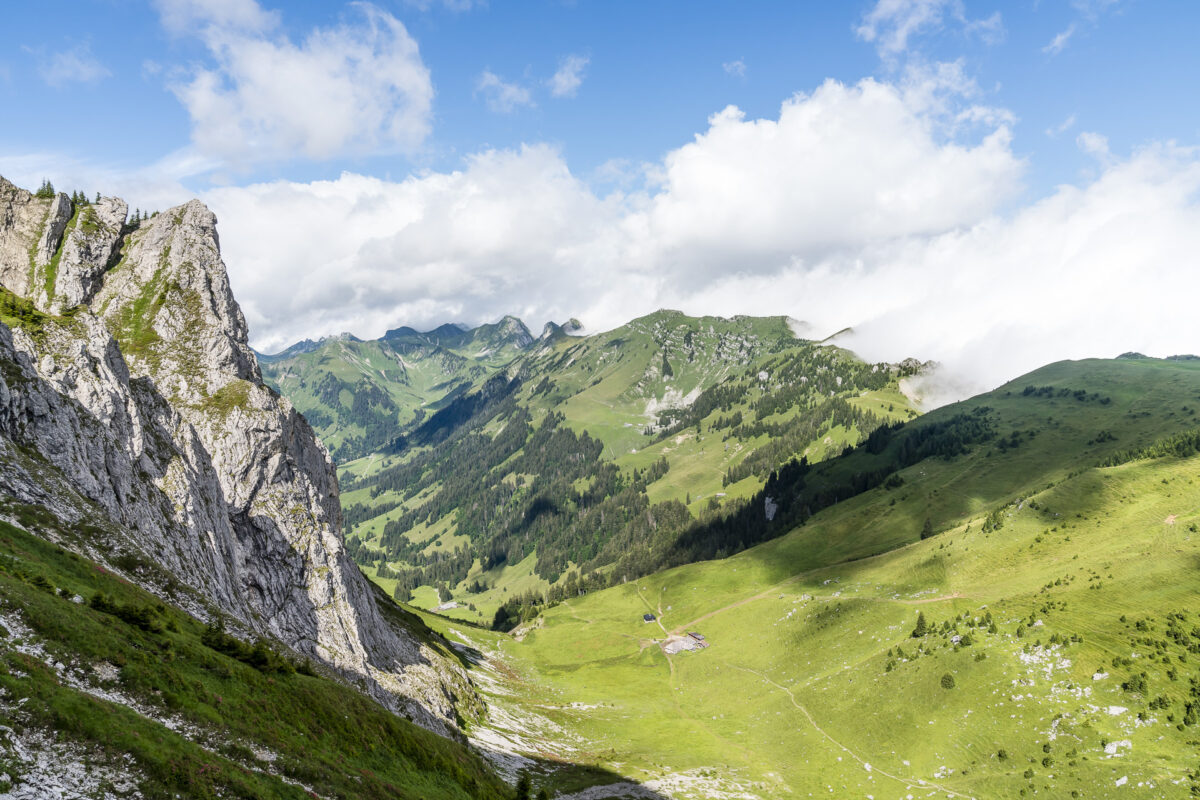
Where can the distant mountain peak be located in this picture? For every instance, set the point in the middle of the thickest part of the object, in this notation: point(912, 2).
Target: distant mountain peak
point(552, 330)
point(508, 331)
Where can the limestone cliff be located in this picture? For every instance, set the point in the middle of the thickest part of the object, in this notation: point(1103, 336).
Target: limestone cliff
point(128, 386)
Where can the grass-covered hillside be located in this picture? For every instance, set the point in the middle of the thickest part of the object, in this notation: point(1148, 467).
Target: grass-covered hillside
point(358, 395)
point(106, 690)
point(591, 459)
point(1013, 618)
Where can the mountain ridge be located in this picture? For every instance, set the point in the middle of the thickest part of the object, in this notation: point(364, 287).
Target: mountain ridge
point(608, 424)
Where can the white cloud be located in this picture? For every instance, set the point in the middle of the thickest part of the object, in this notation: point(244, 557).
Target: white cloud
point(351, 89)
point(623, 174)
point(182, 16)
point(1094, 144)
point(1061, 128)
point(76, 65)
point(944, 95)
point(449, 5)
point(502, 97)
point(842, 166)
point(1089, 13)
point(891, 24)
point(989, 29)
point(735, 68)
point(1059, 42)
point(566, 81)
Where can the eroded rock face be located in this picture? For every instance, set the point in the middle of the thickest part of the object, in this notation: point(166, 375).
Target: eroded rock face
point(22, 219)
point(149, 402)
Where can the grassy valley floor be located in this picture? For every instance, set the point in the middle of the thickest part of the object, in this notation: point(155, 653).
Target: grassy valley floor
point(1061, 655)
point(813, 682)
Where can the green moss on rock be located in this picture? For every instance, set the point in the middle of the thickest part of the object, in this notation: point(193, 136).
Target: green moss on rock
point(235, 394)
point(20, 312)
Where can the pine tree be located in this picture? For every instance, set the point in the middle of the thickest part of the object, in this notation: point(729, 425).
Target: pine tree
point(927, 528)
point(922, 626)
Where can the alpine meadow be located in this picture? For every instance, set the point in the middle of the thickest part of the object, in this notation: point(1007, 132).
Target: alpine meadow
point(582, 400)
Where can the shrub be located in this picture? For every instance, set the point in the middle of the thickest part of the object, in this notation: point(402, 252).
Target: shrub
point(140, 616)
point(948, 681)
point(259, 656)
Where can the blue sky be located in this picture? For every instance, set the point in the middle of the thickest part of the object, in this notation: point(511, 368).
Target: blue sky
point(418, 161)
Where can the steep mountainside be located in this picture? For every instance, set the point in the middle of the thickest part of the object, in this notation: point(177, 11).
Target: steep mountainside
point(132, 408)
point(999, 604)
point(358, 395)
point(588, 460)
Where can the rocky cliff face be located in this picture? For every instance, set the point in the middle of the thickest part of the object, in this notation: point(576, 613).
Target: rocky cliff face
point(128, 387)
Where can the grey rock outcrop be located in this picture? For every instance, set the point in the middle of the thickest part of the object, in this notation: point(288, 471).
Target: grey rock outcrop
point(87, 249)
point(132, 379)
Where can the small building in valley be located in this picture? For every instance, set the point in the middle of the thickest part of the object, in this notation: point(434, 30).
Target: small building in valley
point(648, 618)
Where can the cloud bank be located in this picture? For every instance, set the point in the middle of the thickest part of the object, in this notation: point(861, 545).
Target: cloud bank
point(894, 208)
point(842, 169)
point(857, 206)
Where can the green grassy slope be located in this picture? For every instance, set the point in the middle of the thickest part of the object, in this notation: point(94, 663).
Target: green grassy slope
point(681, 417)
point(1071, 586)
point(131, 684)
